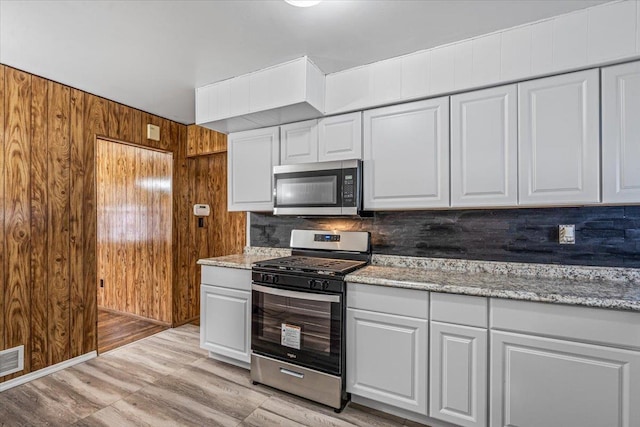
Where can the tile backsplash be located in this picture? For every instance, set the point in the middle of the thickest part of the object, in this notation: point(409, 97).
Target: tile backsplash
point(605, 235)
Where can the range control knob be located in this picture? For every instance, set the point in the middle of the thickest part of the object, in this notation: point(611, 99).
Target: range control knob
point(275, 278)
point(325, 285)
point(311, 282)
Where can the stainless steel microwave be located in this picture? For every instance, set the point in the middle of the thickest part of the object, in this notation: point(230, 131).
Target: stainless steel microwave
point(326, 188)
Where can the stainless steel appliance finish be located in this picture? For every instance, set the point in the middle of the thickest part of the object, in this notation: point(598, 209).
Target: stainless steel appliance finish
point(298, 313)
point(325, 188)
point(317, 386)
point(351, 241)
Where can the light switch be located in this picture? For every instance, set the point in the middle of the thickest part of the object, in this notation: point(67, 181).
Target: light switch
point(567, 234)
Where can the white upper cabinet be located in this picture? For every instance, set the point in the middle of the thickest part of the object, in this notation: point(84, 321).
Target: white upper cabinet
point(299, 142)
point(251, 156)
point(406, 156)
point(559, 145)
point(621, 133)
point(484, 148)
point(340, 137)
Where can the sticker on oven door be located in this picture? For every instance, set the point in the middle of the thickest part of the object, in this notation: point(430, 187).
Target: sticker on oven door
point(290, 336)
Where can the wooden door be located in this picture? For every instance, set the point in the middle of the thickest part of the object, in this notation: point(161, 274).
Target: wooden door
point(621, 133)
point(134, 246)
point(484, 148)
point(559, 140)
point(406, 156)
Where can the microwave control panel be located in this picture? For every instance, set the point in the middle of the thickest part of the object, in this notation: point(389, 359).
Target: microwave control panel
point(348, 187)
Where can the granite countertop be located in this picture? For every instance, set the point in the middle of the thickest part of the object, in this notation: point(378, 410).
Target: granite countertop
point(620, 295)
point(614, 288)
point(234, 261)
point(245, 260)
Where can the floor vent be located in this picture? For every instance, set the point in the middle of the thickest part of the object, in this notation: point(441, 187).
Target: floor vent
point(11, 360)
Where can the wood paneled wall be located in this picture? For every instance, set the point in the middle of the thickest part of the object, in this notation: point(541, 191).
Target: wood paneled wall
point(134, 253)
point(223, 232)
point(48, 269)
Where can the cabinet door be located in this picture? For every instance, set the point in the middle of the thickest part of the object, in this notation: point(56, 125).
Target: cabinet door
point(251, 157)
point(621, 133)
point(225, 322)
point(539, 381)
point(458, 374)
point(406, 156)
point(340, 137)
point(387, 359)
point(484, 148)
point(559, 140)
point(299, 142)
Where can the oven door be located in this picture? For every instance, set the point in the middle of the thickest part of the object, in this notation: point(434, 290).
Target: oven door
point(304, 328)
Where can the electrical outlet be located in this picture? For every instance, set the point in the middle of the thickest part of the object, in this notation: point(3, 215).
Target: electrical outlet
point(567, 234)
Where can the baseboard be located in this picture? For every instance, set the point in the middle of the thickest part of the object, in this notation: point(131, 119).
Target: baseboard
point(184, 322)
point(46, 371)
point(136, 316)
point(398, 412)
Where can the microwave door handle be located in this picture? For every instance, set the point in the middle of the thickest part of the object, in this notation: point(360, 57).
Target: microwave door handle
point(294, 294)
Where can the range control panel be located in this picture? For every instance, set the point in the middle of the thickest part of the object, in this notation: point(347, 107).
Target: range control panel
point(326, 238)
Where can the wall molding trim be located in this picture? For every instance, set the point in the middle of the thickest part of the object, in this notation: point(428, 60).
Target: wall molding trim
point(46, 371)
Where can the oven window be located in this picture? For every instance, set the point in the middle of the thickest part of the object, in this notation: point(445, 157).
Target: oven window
point(309, 190)
point(296, 323)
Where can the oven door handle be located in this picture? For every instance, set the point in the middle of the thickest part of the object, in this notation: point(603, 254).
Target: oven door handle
point(294, 294)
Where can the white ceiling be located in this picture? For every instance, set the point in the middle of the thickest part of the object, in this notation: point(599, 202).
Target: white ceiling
point(152, 54)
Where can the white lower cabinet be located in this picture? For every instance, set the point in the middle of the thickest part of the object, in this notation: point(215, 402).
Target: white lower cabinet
point(458, 374)
point(387, 345)
point(538, 381)
point(225, 314)
point(387, 359)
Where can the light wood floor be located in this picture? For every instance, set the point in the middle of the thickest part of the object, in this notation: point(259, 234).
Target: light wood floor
point(116, 330)
point(167, 380)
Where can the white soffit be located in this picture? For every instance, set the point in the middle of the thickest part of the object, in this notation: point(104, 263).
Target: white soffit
point(152, 54)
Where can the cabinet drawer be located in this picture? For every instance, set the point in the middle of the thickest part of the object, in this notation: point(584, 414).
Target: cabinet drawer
point(459, 309)
point(618, 328)
point(225, 277)
point(403, 302)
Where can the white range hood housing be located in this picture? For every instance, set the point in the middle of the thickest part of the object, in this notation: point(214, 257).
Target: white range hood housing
point(285, 93)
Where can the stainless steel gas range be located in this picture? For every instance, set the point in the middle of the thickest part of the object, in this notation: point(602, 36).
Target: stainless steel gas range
point(298, 315)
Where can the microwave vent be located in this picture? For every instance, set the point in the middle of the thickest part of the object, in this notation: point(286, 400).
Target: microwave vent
point(11, 360)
